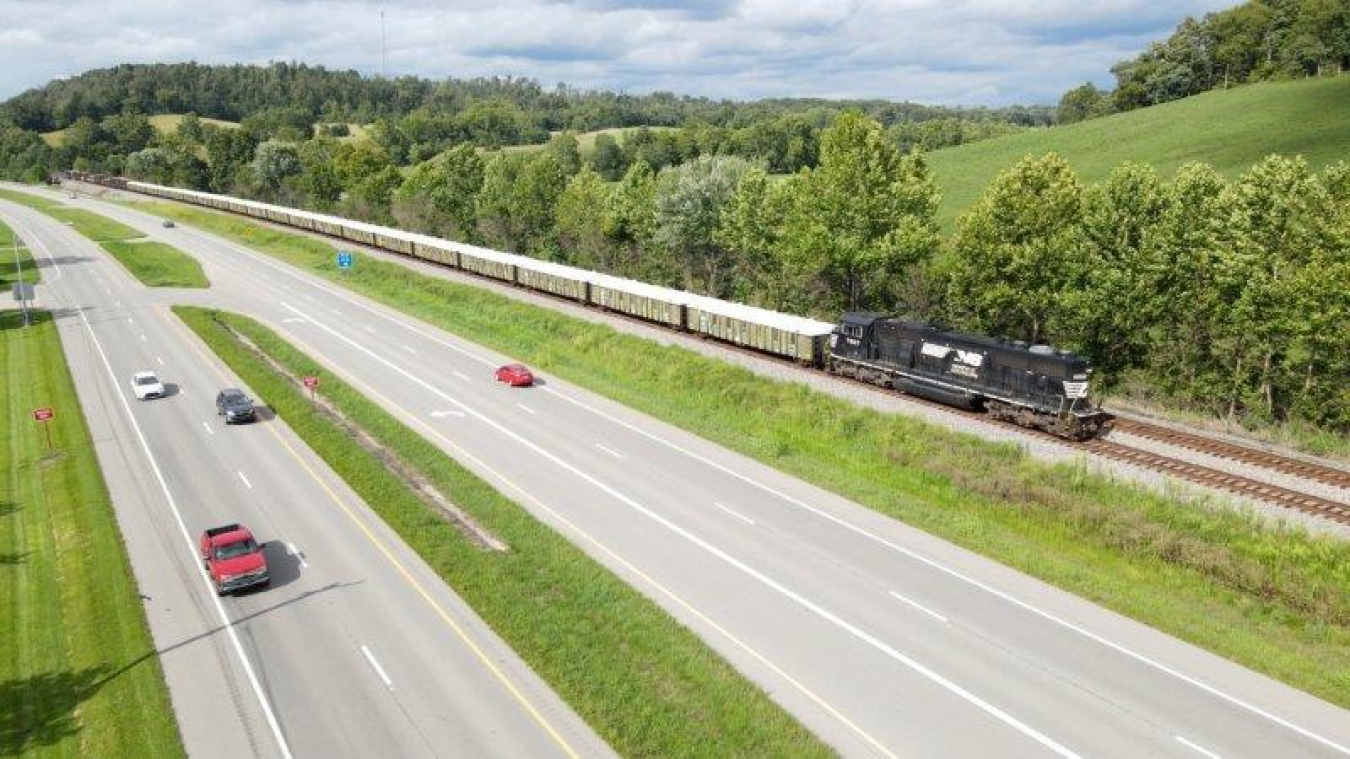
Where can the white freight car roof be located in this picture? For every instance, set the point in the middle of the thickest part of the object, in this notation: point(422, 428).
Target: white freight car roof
point(788, 322)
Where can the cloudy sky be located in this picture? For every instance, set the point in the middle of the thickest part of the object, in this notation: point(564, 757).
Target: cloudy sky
point(971, 52)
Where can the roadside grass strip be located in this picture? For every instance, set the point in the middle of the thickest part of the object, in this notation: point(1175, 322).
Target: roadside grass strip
point(9, 269)
point(155, 264)
point(79, 674)
point(645, 683)
point(1274, 599)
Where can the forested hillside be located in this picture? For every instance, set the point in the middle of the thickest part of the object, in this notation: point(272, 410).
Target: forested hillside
point(1259, 40)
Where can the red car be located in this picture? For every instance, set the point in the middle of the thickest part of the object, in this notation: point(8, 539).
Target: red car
point(234, 559)
point(515, 375)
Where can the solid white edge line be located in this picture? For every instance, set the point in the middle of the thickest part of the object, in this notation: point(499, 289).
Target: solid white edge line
point(266, 706)
point(23, 230)
point(764, 579)
point(957, 574)
point(918, 606)
point(739, 516)
point(1198, 749)
point(376, 666)
point(247, 484)
point(405, 322)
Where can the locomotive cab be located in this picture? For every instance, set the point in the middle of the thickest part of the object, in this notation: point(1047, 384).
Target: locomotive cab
point(853, 338)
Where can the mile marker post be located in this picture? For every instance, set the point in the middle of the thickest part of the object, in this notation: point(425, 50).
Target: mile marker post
point(44, 416)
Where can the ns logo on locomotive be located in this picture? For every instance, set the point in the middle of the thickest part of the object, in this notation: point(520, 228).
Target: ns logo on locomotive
point(1031, 385)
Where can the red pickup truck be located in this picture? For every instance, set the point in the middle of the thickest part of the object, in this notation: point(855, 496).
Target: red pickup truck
point(234, 559)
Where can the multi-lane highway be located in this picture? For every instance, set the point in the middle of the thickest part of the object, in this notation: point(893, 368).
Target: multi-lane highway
point(357, 648)
point(880, 638)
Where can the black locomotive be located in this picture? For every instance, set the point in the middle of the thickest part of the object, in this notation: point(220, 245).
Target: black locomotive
point(1031, 385)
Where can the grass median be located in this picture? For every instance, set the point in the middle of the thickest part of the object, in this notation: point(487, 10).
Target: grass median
point(79, 675)
point(155, 264)
point(12, 248)
point(1276, 600)
point(647, 684)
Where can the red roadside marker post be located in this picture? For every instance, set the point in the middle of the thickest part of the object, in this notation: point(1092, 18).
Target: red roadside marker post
point(311, 383)
point(44, 416)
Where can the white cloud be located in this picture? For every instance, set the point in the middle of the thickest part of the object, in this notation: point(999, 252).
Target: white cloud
point(941, 51)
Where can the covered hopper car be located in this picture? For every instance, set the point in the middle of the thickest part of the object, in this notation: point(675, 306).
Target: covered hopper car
point(1030, 385)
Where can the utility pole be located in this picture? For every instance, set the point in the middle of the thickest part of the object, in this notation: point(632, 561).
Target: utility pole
point(19, 283)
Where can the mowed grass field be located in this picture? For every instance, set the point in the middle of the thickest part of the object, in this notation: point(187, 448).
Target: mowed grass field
point(155, 264)
point(1275, 600)
point(1228, 129)
point(79, 675)
point(12, 248)
point(164, 123)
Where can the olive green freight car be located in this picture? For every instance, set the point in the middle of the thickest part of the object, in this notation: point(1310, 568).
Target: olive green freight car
point(634, 299)
point(560, 282)
point(487, 263)
point(803, 340)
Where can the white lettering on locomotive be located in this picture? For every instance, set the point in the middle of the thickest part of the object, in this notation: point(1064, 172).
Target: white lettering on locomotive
point(1075, 389)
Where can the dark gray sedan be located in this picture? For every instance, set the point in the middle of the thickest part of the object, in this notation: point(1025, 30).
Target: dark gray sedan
point(232, 404)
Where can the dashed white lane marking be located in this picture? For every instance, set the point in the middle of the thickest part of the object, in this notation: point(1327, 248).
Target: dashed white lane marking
point(335, 312)
point(443, 414)
point(208, 429)
point(263, 702)
point(376, 666)
point(309, 297)
point(160, 360)
point(943, 568)
point(130, 320)
point(1197, 749)
point(117, 303)
point(460, 374)
point(143, 338)
point(919, 606)
point(726, 557)
point(368, 328)
point(409, 349)
point(610, 451)
point(300, 557)
point(247, 484)
point(739, 516)
point(107, 289)
point(527, 409)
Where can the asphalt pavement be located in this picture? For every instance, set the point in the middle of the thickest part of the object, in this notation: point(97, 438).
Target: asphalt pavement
point(879, 637)
point(357, 648)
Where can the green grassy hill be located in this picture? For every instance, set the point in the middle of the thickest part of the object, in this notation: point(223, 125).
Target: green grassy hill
point(1228, 129)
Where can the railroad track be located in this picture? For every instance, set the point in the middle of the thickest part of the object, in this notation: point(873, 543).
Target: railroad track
point(1201, 444)
point(1308, 504)
point(1214, 478)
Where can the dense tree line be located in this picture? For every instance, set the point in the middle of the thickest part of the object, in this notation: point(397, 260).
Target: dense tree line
point(236, 92)
point(1258, 40)
point(1223, 296)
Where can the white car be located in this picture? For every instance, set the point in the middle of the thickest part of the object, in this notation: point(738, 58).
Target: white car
point(146, 385)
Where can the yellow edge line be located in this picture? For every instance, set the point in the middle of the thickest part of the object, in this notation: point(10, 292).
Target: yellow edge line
point(407, 576)
point(687, 606)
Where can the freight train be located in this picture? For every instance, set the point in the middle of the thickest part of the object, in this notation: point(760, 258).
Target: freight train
point(1034, 386)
